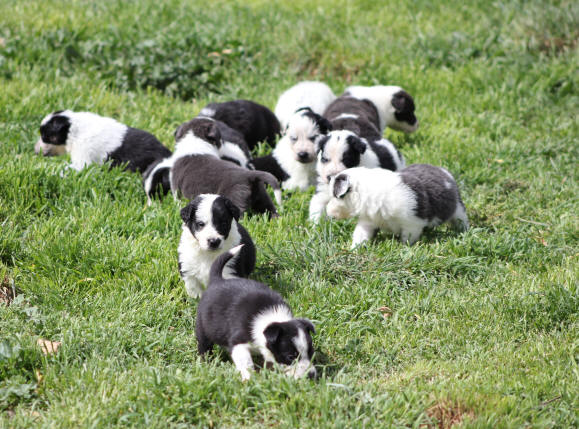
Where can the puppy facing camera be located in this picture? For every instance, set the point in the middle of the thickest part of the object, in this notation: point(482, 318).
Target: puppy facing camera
point(210, 228)
point(244, 317)
point(402, 203)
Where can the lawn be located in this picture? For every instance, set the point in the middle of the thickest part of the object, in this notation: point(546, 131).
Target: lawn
point(479, 329)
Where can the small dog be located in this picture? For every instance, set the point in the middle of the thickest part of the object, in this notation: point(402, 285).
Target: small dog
point(243, 315)
point(210, 228)
point(403, 202)
point(255, 122)
point(395, 106)
point(343, 149)
point(315, 95)
point(90, 138)
point(293, 159)
point(197, 169)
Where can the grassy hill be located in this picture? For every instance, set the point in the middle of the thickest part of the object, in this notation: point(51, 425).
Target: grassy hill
point(479, 329)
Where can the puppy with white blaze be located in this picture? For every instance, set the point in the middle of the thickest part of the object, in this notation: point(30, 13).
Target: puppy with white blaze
point(90, 138)
point(246, 316)
point(343, 149)
point(315, 95)
point(402, 203)
point(395, 106)
point(292, 161)
point(210, 228)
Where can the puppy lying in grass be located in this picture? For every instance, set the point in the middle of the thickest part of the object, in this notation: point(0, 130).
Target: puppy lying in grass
point(403, 202)
point(246, 316)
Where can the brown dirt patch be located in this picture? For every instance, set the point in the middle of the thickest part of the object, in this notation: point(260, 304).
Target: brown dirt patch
point(445, 415)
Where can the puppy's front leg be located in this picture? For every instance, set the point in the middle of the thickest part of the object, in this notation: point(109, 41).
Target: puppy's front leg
point(364, 231)
point(193, 286)
point(318, 205)
point(241, 357)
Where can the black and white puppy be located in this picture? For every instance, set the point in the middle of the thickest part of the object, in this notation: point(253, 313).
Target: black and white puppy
point(293, 159)
point(246, 316)
point(402, 203)
point(395, 106)
point(359, 116)
point(315, 95)
point(210, 228)
point(255, 122)
point(343, 149)
point(197, 169)
point(91, 138)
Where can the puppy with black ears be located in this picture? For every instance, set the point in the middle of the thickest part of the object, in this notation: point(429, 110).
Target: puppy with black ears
point(343, 149)
point(394, 105)
point(315, 95)
point(246, 316)
point(91, 138)
point(210, 228)
point(293, 159)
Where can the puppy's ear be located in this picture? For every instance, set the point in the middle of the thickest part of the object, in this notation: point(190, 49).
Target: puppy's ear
point(308, 325)
point(321, 143)
point(55, 131)
point(233, 209)
point(402, 101)
point(323, 124)
point(213, 134)
point(272, 333)
point(187, 212)
point(341, 186)
point(356, 143)
point(179, 132)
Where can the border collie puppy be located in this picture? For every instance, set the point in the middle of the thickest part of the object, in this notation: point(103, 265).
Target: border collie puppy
point(395, 106)
point(315, 95)
point(210, 228)
point(246, 316)
point(293, 159)
point(403, 202)
point(90, 138)
point(343, 149)
point(358, 116)
point(197, 169)
point(255, 122)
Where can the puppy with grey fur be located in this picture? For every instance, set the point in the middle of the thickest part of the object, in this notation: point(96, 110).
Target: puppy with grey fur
point(197, 169)
point(210, 228)
point(402, 203)
point(359, 116)
point(90, 138)
point(246, 316)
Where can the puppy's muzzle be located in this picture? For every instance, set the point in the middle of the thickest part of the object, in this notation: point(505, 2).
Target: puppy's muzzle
point(304, 157)
point(214, 243)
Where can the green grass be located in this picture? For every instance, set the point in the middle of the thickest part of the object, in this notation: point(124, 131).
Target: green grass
point(483, 325)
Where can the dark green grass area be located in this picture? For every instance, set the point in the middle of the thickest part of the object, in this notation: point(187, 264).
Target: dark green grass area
point(478, 329)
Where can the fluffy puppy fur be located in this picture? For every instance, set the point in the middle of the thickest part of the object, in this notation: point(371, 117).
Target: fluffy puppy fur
point(246, 316)
point(403, 202)
point(210, 228)
point(358, 116)
point(197, 169)
point(255, 122)
point(90, 138)
point(343, 149)
point(315, 95)
point(293, 159)
point(395, 106)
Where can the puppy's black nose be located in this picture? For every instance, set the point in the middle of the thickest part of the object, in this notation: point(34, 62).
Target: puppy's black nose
point(303, 156)
point(328, 178)
point(214, 243)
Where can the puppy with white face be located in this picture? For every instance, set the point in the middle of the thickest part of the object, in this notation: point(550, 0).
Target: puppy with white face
point(210, 228)
point(402, 203)
point(293, 159)
point(395, 106)
point(343, 149)
point(315, 95)
point(90, 138)
point(245, 317)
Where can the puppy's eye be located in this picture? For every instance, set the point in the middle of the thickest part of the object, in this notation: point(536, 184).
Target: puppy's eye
point(313, 138)
point(199, 225)
point(293, 139)
point(324, 160)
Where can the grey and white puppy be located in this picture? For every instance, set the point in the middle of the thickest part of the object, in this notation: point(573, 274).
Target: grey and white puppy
point(403, 203)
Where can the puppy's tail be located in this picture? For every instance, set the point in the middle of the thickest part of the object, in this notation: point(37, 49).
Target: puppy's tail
point(216, 272)
point(271, 180)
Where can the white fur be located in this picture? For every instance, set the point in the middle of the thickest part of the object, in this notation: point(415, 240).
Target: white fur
point(207, 111)
point(195, 255)
point(47, 149)
point(280, 313)
point(302, 176)
point(380, 200)
point(241, 357)
point(315, 95)
point(167, 162)
point(91, 137)
point(233, 151)
point(381, 97)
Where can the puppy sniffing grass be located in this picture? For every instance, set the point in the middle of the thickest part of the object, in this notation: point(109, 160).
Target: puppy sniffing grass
point(246, 316)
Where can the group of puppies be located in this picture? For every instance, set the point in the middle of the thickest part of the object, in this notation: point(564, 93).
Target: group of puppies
point(334, 143)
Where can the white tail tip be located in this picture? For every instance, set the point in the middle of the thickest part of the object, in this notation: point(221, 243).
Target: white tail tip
point(277, 195)
point(235, 250)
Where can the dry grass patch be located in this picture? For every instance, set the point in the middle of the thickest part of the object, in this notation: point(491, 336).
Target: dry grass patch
point(445, 415)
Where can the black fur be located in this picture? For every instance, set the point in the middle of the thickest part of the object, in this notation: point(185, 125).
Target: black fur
point(324, 126)
point(269, 163)
point(160, 183)
point(350, 105)
point(321, 143)
point(138, 150)
point(433, 198)
point(404, 105)
point(356, 147)
point(55, 131)
point(205, 174)
point(359, 126)
point(384, 155)
point(255, 122)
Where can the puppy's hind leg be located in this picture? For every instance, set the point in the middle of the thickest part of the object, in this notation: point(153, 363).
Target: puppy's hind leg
point(204, 344)
point(241, 357)
point(260, 200)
